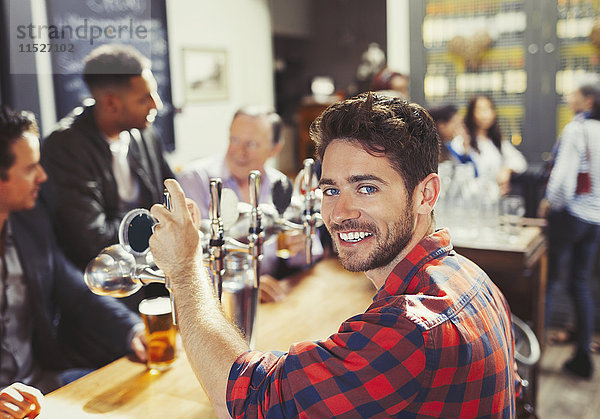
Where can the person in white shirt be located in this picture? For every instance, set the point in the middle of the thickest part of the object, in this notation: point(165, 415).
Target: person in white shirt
point(574, 219)
point(494, 157)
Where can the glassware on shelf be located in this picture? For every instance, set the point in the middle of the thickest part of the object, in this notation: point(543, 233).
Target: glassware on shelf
point(512, 210)
point(462, 203)
point(489, 208)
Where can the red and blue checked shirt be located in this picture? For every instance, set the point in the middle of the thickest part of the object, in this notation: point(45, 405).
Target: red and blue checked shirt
point(436, 341)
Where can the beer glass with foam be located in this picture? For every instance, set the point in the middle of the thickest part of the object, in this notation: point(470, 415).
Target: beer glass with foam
point(161, 334)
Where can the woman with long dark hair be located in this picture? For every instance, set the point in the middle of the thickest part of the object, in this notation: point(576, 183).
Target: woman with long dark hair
point(573, 193)
point(494, 157)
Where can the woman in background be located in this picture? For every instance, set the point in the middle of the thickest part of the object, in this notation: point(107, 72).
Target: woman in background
point(574, 221)
point(450, 125)
point(494, 158)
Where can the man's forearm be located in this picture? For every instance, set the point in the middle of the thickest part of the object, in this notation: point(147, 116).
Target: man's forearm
point(211, 342)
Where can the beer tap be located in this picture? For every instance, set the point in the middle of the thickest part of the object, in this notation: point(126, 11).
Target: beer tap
point(121, 270)
point(115, 272)
point(309, 217)
point(255, 233)
point(167, 204)
point(216, 244)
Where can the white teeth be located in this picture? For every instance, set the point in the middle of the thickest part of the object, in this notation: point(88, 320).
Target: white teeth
point(354, 236)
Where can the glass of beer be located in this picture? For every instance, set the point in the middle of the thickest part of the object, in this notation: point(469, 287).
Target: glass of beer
point(160, 332)
point(286, 241)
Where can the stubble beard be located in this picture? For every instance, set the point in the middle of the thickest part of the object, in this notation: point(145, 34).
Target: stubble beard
point(386, 248)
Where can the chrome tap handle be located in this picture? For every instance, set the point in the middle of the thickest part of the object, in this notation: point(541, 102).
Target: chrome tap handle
point(255, 233)
point(167, 280)
point(216, 243)
point(309, 218)
point(145, 275)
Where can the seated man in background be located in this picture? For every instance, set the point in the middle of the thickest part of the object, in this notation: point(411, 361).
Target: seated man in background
point(437, 340)
point(51, 321)
point(105, 159)
point(254, 137)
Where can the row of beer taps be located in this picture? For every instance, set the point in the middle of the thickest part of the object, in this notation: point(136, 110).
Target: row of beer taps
point(219, 245)
point(116, 271)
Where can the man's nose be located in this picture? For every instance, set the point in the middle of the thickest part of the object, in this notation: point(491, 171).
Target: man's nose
point(41, 176)
point(344, 209)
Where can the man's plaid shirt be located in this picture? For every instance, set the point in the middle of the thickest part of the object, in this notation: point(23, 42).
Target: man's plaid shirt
point(436, 341)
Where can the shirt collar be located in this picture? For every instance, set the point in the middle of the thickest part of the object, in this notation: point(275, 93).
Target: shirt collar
point(119, 145)
point(265, 181)
point(226, 173)
point(402, 280)
point(6, 235)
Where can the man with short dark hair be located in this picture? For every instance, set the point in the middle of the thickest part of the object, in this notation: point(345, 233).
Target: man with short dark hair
point(105, 159)
point(437, 340)
point(50, 322)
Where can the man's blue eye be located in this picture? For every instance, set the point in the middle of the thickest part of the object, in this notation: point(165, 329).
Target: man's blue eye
point(367, 189)
point(331, 192)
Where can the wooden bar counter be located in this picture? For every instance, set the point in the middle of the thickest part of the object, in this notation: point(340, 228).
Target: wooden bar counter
point(319, 300)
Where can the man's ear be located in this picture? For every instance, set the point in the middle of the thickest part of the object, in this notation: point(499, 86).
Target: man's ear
point(108, 101)
point(113, 102)
point(427, 193)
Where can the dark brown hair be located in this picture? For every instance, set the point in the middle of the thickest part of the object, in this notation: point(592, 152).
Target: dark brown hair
point(592, 89)
point(13, 125)
point(443, 113)
point(384, 126)
point(493, 132)
point(113, 65)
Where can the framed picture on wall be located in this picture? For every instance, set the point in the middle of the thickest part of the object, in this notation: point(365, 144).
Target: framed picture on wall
point(205, 74)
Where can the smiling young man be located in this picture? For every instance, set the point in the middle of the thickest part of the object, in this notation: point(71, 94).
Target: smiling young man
point(435, 342)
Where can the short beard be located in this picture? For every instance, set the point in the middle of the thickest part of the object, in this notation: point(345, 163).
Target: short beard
point(399, 235)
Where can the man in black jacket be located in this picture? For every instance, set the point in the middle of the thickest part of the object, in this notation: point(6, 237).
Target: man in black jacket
point(105, 159)
point(50, 322)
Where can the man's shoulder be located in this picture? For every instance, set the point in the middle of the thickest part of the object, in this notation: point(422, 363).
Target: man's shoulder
point(441, 288)
point(465, 284)
point(148, 134)
point(211, 166)
point(71, 129)
point(32, 229)
point(35, 219)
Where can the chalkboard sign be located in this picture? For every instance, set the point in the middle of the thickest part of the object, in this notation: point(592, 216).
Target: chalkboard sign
point(76, 27)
